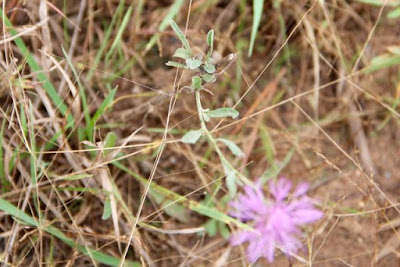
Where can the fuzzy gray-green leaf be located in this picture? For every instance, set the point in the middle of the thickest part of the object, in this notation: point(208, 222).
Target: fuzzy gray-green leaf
point(182, 53)
point(230, 180)
point(223, 112)
point(232, 147)
point(181, 36)
point(206, 117)
point(175, 64)
point(210, 68)
point(210, 42)
point(192, 136)
point(193, 63)
point(208, 78)
point(196, 83)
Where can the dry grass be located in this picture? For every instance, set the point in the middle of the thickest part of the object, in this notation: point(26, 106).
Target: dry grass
point(92, 170)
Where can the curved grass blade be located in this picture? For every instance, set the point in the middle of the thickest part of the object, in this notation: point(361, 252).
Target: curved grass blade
point(176, 6)
point(257, 13)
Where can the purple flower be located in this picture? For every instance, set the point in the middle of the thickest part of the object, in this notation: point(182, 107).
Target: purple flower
point(276, 222)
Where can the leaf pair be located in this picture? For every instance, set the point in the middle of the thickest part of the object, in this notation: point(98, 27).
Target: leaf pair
point(187, 54)
point(193, 136)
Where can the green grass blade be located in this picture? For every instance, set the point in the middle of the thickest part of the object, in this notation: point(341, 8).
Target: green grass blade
point(176, 6)
point(50, 257)
point(32, 142)
point(109, 142)
point(89, 127)
point(5, 184)
point(277, 167)
point(379, 2)
point(257, 13)
point(107, 37)
point(267, 144)
point(12, 210)
point(394, 14)
point(138, 14)
point(382, 62)
point(24, 124)
point(42, 78)
point(106, 104)
point(121, 30)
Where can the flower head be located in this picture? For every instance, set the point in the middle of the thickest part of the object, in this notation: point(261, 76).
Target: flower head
point(276, 222)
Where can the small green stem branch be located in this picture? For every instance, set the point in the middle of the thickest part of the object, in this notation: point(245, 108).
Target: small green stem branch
point(213, 142)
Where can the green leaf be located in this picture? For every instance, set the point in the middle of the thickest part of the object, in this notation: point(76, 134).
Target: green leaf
point(210, 68)
point(210, 42)
point(382, 61)
point(175, 64)
point(172, 209)
point(121, 30)
point(232, 147)
point(257, 13)
point(193, 63)
point(181, 36)
point(4, 183)
point(267, 144)
point(224, 230)
point(196, 83)
point(277, 167)
point(107, 36)
point(208, 78)
point(192, 136)
point(176, 211)
point(182, 53)
point(173, 10)
point(106, 209)
point(74, 177)
point(223, 112)
point(230, 180)
point(206, 117)
point(82, 93)
point(24, 123)
point(103, 107)
point(394, 14)
point(109, 142)
point(379, 2)
point(211, 227)
point(210, 38)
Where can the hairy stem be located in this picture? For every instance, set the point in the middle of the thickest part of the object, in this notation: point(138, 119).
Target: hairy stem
point(213, 142)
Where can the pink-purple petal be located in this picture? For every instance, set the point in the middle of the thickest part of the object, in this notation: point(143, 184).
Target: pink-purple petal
point(241, 237)
point(280, 189)
point(277, 222)
point(301, 189)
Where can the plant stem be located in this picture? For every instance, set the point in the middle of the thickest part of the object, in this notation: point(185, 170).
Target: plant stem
point(213, 142)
